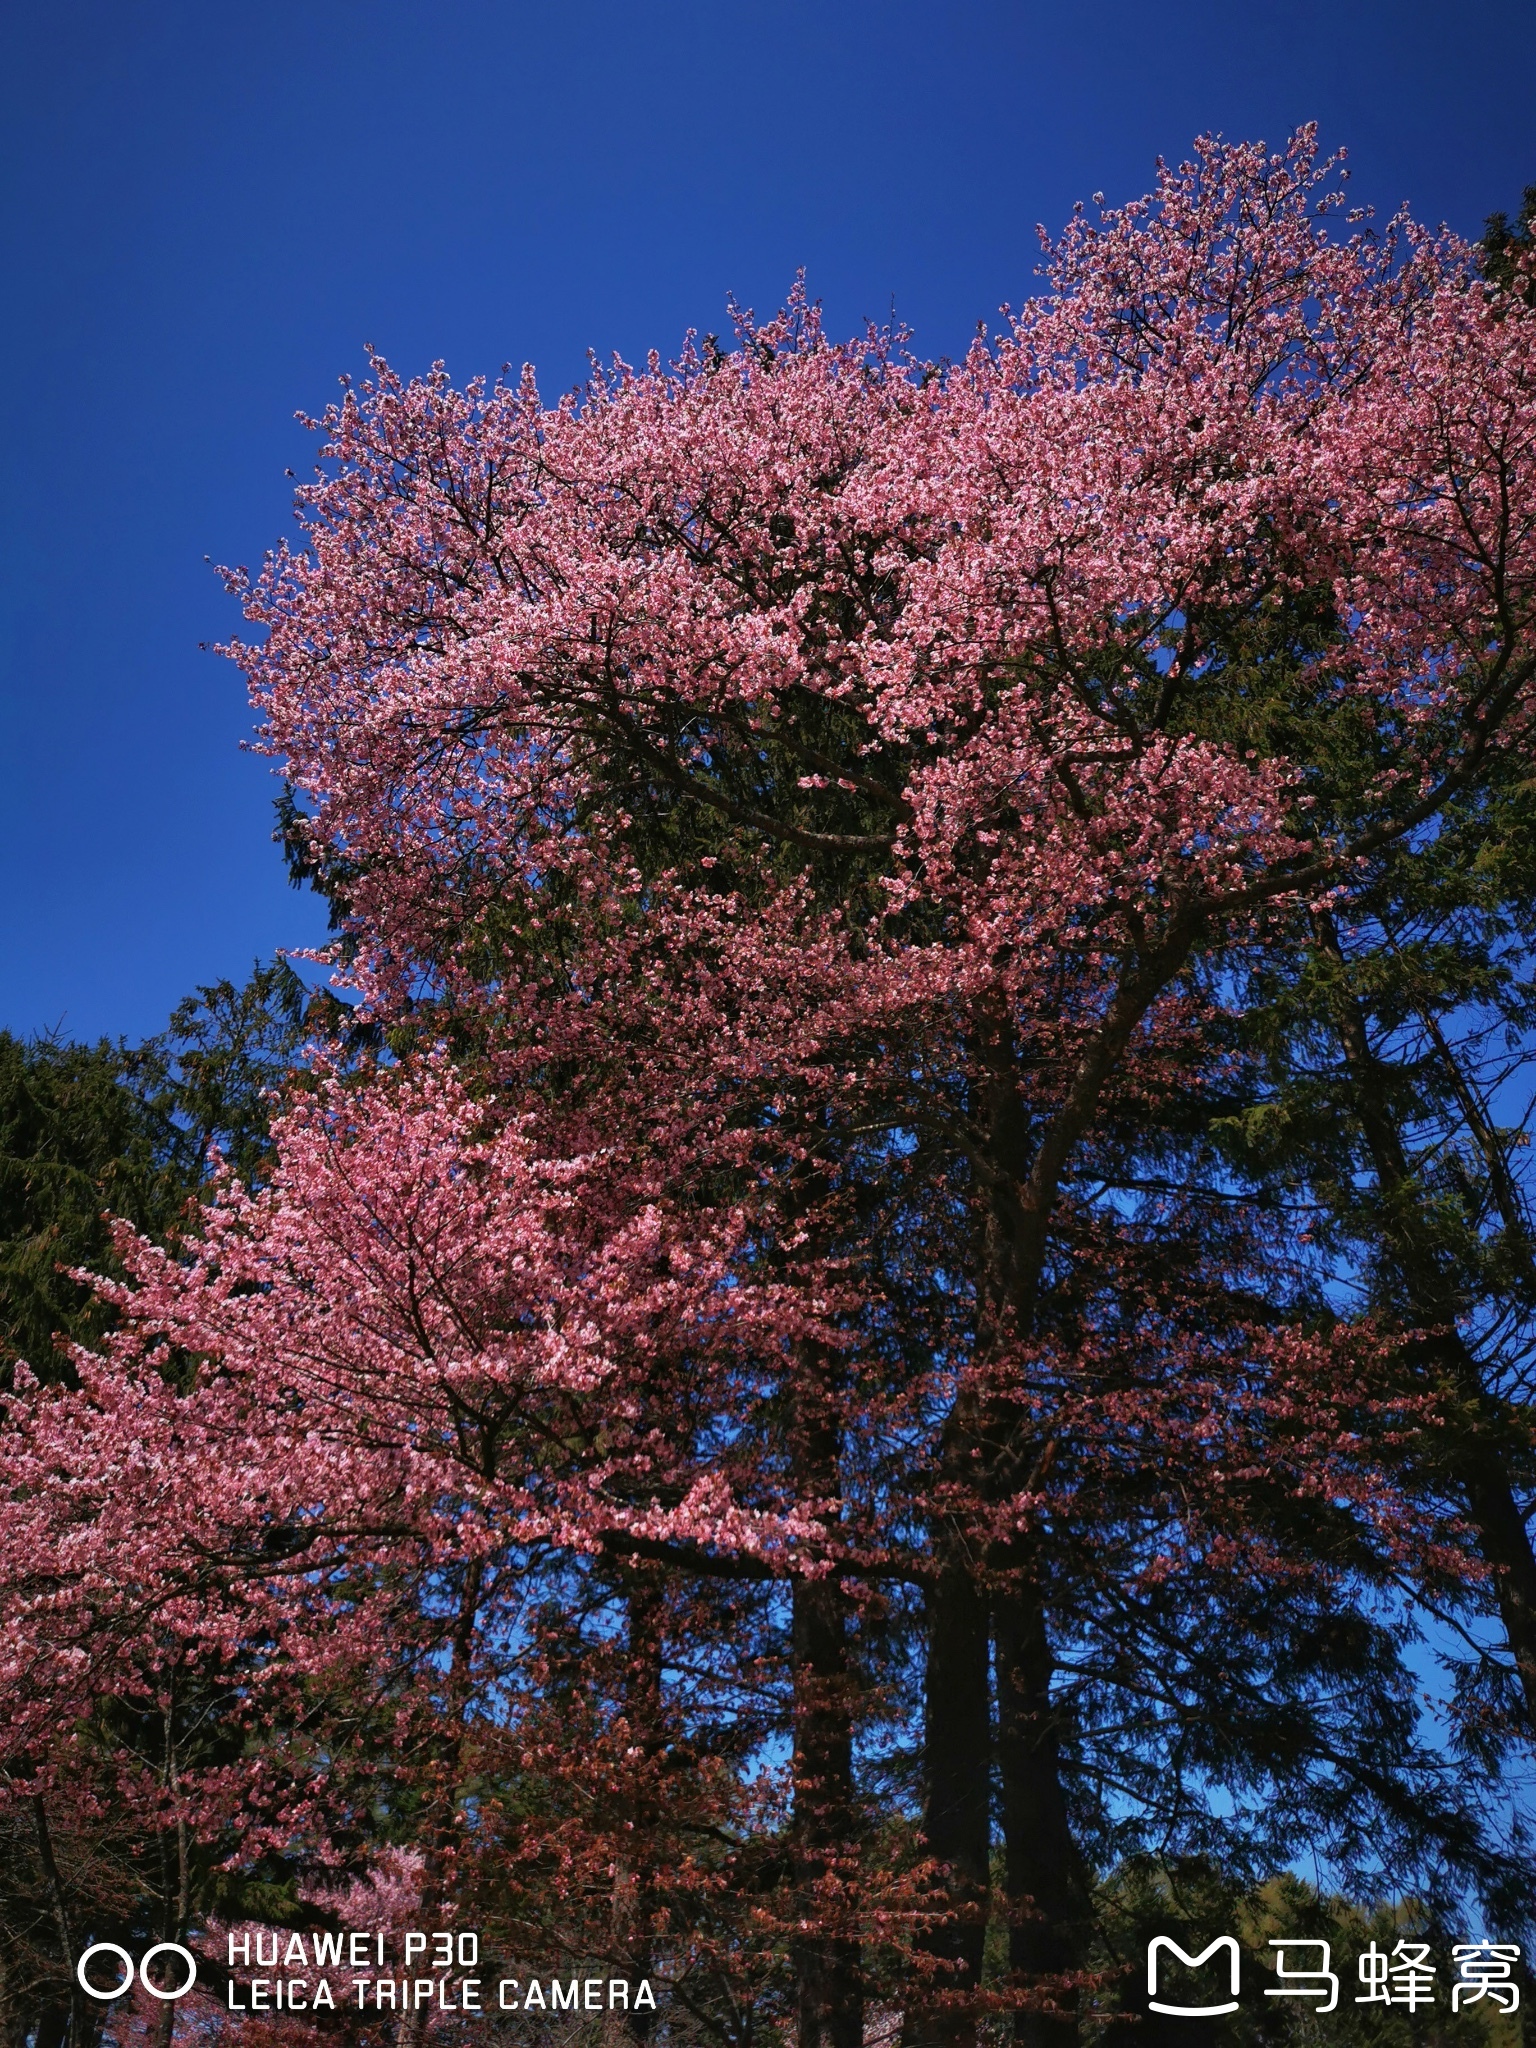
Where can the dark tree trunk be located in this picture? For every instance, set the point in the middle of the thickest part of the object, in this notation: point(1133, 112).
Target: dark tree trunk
point(1505, 1543)
point(177, 1888)
point(956, 1820)
point(79, 2026)
point(829, 1994)
point(1047, 1893)
point(441, 1802)
point(1044, 1896)
point(1019, 1170)
point(53, 2027)
point(634, 1887)
point(828, 1984)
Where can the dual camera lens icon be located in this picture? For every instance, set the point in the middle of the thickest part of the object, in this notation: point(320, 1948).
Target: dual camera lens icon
point(161, 1948)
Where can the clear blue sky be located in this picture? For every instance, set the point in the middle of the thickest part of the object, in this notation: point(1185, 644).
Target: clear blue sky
point(209, 208)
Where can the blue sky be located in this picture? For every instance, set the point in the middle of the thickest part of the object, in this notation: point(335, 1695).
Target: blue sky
point(208, 209)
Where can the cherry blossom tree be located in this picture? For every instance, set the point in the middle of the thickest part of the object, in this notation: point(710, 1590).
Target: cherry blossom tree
point(820, 805)
point(478, 1445)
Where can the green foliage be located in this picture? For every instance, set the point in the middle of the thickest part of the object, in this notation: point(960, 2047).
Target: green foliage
point(89, 1132)
point(1503, 246)
point(225, 1053)
point(84, 1130)
point(1387, 1080)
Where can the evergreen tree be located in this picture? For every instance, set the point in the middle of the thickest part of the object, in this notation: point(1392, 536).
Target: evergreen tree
point(1507, 249)
point(89, 1132)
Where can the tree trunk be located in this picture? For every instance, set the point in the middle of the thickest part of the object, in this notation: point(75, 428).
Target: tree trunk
point(1505, 1543)
point(1043, 1894)
point(1047, 1893)
point(1020, 1169)
point(442, 1800)
point(633, 1884)
point(828, 1989)
point(829, 1995)
point(177, 1903)
point(79, 2023)
point(956, 1819)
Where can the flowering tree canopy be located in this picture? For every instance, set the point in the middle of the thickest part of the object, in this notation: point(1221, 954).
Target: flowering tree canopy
point(802, 818)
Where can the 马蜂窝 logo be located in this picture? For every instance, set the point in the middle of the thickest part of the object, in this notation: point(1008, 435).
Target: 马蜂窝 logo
point(1406, 1976)
point(1190, 2012)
